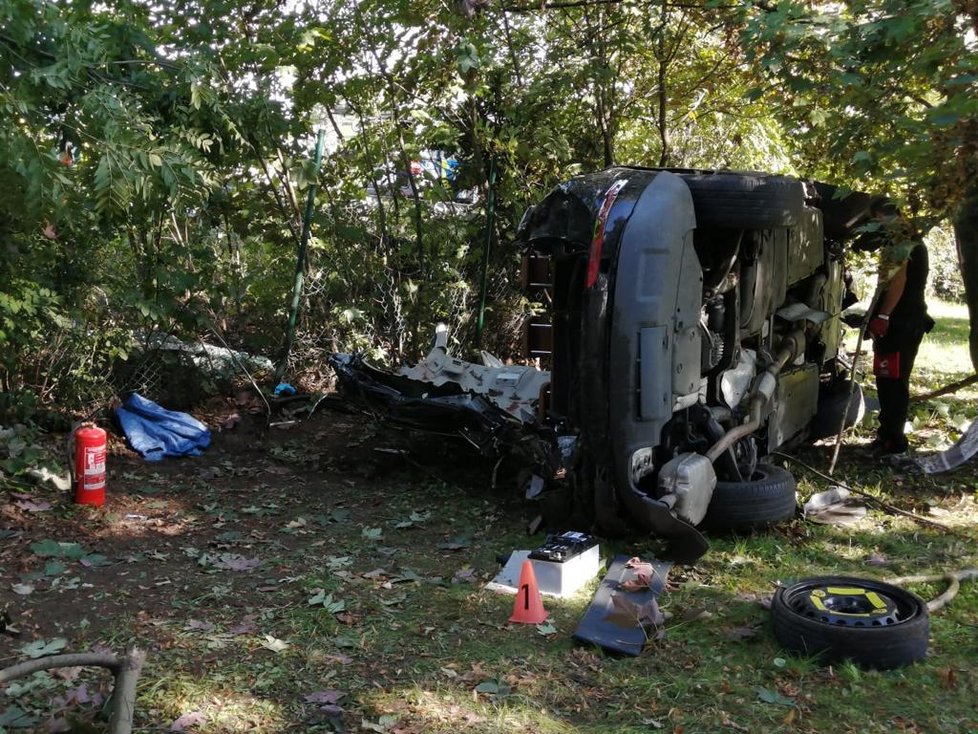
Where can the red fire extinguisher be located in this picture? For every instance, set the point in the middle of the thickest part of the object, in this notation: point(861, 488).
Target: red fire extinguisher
point(90, 465)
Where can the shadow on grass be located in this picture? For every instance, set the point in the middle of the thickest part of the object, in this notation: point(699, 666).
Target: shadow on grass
point(420, 646)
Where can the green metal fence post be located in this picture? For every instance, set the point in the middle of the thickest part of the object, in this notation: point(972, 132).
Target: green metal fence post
point(300, 261)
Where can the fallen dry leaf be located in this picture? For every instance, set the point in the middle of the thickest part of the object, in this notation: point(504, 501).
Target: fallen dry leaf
point(187, 721)
point(235, 562)
point(327, 697)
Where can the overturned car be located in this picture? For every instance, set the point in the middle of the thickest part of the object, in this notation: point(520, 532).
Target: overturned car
point(693, 329)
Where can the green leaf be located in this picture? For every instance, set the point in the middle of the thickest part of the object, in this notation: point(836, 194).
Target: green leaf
point(339, 515)
point(40, 648)
point(16, 718)
point(753, 94)
point(488, 686)
point(944, 117)
point(54, 568)
point(467, 56)
point(333, 606)
point(768, 696)
point(53, 549)
point(817, 117)
point(94, 560)
point(317, 598)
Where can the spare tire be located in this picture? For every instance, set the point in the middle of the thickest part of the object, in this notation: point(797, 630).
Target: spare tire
point(745, 200)
point(769, 497)
point(873, 624)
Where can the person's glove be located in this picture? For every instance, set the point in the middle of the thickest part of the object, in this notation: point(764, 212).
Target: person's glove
point(853, 320)
point(879, 325)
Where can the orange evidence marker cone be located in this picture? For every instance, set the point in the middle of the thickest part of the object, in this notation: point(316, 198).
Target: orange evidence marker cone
point(528, 607)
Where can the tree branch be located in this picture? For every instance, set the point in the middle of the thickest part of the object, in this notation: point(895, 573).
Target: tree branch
point(947, 389)
point(125, 669)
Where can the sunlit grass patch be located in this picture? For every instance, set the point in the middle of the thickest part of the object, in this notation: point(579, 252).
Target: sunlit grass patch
point(944, 351)
point(215, 702)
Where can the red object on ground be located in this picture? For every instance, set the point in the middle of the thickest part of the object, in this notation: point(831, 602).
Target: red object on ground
point(90, 444)
point(528, 607)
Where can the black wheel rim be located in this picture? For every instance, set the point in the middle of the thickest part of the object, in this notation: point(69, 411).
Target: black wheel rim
point(849, 603)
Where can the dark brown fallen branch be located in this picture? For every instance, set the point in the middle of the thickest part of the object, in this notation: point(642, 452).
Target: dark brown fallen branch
point(947, 389)
point(125, 670)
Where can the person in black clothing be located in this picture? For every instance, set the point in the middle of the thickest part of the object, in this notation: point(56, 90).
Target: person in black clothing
point(897, 323)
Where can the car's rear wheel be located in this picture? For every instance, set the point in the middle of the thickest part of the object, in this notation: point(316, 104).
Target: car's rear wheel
point(871, 623)
point(843, 398)
point(745, 200)
point(766, 499)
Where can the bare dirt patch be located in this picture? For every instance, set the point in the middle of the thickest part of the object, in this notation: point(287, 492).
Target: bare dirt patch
point(207, 545)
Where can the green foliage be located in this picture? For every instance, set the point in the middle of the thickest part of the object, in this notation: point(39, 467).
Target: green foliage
point(945, 272)
point(881, 93)
point(18, 449)
point(155, 174)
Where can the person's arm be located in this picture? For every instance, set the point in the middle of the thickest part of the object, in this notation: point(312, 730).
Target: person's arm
point(880, 323)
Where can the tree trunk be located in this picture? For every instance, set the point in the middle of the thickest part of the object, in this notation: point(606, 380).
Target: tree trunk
point(966, 234)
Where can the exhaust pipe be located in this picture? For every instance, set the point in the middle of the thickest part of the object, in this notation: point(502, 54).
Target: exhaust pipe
point(763, 390)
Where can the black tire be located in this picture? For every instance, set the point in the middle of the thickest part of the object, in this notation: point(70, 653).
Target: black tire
point(768, 498)
point(841, 398)
point(745, 200)
point(842, 211)
point(851, 626)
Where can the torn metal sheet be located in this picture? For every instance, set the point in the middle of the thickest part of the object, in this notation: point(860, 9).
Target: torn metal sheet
point(514, 388)
point(835, 506)
point(958, 454)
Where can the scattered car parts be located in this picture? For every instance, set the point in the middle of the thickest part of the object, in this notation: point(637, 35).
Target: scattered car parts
point(693, 328)
point(492, 406)
point(693, 314)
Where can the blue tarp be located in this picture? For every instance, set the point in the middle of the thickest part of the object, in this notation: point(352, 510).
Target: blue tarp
point(156, 432)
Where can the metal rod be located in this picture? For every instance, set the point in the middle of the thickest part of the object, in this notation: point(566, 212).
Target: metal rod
point(490, 223)
point(300, 260)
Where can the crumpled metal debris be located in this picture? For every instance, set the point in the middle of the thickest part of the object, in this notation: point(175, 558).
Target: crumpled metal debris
point(514, 388)
point(952, 458)
point(491, 405)
point(834, 506)
point(213, 360)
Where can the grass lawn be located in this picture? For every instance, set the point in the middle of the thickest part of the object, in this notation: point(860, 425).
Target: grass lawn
point(302, 581)
point(944, 352)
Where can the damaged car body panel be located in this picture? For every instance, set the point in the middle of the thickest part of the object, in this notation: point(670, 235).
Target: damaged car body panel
point(694, 326)
point(640, 299)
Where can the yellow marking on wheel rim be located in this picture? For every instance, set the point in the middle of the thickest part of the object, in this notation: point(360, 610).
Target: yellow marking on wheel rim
point(879, 606)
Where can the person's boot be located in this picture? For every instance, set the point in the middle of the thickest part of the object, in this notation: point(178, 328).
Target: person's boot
point(884, 446)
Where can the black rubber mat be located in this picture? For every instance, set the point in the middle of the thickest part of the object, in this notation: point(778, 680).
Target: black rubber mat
point(615, 627)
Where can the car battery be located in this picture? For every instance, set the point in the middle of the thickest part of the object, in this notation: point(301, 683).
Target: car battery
point(565, 563)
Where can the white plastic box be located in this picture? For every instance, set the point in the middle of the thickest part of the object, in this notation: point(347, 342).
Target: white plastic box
point(563, 578)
